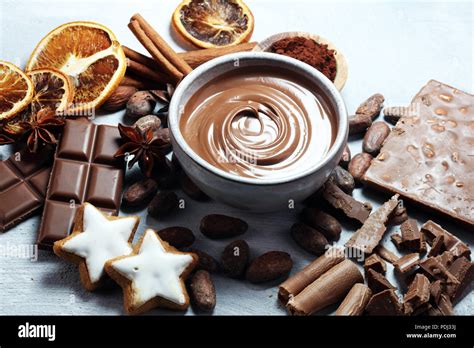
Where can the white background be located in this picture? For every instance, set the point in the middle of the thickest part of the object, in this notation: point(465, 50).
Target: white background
point(392, 47)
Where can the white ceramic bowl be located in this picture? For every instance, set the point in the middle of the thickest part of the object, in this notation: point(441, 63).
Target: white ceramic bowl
point(243, 192)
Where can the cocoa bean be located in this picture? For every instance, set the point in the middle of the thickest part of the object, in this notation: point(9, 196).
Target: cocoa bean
point(346, 157)
point(163, 204)
point(206, 262)
point(202, 291)
point(140, 193)
point(323, 222)
point(359, 124)
point(190, 188)
point(374, 138)
point(119, 98)
point(343, 179)
point(309, 238)
point(176, 236)
point(216, 226)
point(234, 258)
point(372, 106)
point(359, 165)
point(140, 104)
point(148, 122)
point(269, 266)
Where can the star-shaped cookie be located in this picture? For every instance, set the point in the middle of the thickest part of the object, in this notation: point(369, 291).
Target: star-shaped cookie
point(153, 275)
point(96, 238)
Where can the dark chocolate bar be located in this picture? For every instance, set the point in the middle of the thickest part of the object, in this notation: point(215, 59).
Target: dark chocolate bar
point(428, 158)
point(23, 182)
point(84, 170)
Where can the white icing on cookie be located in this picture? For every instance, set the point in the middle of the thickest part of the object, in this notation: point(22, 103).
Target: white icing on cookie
point(154, 271)
point(101, 240)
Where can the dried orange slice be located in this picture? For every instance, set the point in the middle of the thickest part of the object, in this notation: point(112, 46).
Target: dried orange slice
point(213, 23)
point(16, 90)
point(53, 90)
point(89, 54)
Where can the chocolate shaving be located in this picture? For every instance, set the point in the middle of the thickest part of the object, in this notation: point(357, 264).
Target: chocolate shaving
point(377, 282)
point(411, 235)
point(438, 271)
point(386, 254)
point(437, 246)
point(453, 244)
point(376, 263)
point(407, 262)
point(463, 270)
point(340, 200)
point(435, 291)
point(418, 294)
point(384, 303)
point(369, 235)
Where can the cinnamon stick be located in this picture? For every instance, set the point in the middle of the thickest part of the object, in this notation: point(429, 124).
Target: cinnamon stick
point(145, 72)
point(139, 83)
point(295, 284)
point(331, 287)
point(155, 52)
point(198, 57)
point(193, 58)
point(162, 45)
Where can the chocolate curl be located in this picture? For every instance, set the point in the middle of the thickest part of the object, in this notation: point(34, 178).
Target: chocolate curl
point(294, 285)
point(331, 287)
point(355, 301)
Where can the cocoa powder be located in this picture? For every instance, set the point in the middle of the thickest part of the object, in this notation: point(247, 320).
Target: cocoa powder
point(310, 52)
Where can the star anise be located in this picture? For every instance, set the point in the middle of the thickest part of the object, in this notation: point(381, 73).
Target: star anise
point(145, 147)
point(40, 128)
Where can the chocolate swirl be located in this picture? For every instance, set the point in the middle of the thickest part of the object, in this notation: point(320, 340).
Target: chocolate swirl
point(258, 124)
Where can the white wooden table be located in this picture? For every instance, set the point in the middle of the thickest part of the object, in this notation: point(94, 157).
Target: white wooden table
point(392, 47)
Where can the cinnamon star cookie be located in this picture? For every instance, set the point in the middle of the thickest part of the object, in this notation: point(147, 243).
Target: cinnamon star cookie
point(96, 238)
point(153, 275)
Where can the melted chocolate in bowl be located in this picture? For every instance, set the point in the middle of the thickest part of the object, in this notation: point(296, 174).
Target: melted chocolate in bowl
point(259, 123)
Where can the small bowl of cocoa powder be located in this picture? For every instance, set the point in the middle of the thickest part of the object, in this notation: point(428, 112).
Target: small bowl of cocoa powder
point(311, 49)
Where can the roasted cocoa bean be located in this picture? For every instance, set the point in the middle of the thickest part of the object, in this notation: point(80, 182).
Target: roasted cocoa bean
point(148, 122)
point(139, 193)
point(359, 165)
point(372, 106)
point(190, 188)
point(323, 222)
point(235, 258)
point(202, 291)
point(309, 238)
point(163, 204)
point(374, 138)
point(269, 266)
point(206, 261)
point(176, 236)
point(346, 157)
point(343, 179)
point(359, 124)
point(119, 98)
point(140, 104)
point(216, 226)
